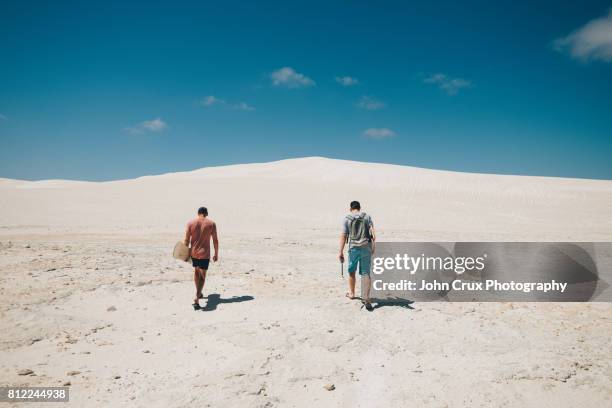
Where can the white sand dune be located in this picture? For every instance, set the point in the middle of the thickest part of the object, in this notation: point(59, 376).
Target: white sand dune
point(92, 297)
point(314, 192)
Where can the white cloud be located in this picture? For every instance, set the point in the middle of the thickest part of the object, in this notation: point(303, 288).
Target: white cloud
point(211, 100)
point(593, 41)
point(347, 81)
point(155, 125)
point(379, 133)
point(451, 86)
point(244, 106)
point(370, 103)
point(289, 78)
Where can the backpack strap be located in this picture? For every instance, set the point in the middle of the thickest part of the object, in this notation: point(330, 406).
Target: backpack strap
point(349, 218)
point(367, 220)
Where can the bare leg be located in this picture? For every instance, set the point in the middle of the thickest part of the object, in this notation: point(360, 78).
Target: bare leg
point(203, 278)
point(199, 284)
point(351, 283)
point(366, 283)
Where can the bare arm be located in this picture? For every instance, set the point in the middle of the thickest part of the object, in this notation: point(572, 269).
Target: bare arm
point(342, 243)
point(373, 237)
point(187, 236)
point(215, 243)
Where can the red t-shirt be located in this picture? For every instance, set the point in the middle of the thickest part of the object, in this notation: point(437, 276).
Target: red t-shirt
point(199, 232)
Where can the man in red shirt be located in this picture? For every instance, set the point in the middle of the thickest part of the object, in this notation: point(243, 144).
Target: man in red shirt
point(199, 231)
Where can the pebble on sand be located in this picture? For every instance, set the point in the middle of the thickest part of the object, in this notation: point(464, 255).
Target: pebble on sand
point(329, 387)
point(73, 373)
point(25, 371)
point(111, 309)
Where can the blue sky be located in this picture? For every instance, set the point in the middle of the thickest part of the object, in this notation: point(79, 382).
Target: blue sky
point(109, 90)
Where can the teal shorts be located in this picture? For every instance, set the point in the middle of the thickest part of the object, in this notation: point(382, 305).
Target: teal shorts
point(363, 257)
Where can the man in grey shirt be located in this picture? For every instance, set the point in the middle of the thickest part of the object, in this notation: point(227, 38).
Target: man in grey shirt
point(358, 231)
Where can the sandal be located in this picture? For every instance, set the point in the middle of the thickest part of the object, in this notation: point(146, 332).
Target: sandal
point(369, 307)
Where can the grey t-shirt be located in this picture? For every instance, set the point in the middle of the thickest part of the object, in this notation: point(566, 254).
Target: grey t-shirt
point(346, 224)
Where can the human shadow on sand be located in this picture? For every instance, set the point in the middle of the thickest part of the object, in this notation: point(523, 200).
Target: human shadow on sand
point(397, 302)
point(214, 300)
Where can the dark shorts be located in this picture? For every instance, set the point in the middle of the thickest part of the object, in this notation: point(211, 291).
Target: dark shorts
point(200, 263)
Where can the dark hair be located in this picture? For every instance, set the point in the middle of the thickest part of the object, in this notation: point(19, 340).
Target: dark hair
point(355, 205)
point(203, 211)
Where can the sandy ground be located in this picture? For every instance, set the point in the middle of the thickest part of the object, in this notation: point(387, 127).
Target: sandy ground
point(92, 297)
